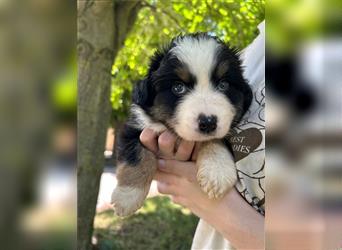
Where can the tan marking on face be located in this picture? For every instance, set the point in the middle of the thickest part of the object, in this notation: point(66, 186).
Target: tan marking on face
point(183, 73)
point(222, 69)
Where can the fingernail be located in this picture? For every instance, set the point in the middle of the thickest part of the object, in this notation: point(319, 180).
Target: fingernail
point(161, 163)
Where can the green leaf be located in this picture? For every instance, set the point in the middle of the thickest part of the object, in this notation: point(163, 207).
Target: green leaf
point(223, 12)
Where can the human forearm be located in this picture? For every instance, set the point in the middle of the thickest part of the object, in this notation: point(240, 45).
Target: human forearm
point(236, 220)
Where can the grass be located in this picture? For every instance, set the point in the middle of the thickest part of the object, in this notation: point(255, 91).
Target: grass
point(159, 224)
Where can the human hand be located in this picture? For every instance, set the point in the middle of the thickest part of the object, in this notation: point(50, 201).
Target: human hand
point(167, 146)
point(234, 218)
point(176, 174)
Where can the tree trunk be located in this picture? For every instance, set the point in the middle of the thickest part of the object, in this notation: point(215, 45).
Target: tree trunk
point(102, 29)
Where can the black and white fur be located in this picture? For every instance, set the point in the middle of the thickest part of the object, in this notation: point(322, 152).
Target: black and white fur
point(195, 88)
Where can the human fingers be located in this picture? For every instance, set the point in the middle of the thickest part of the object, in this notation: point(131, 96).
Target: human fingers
point(182, 169)
point(195, 151)
point(180, 200)
point(149, 139)
point(166, 144)
point(166, 177)
point(166, 188)
point(184, 150)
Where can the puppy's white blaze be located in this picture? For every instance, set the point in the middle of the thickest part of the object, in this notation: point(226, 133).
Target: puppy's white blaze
point(143, 121)
point(203, 100)
point(198, 55)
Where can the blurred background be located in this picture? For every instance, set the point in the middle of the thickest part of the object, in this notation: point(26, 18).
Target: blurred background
point(38, 90)
point(304, 125)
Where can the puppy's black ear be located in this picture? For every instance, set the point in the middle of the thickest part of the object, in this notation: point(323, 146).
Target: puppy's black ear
point(158, 57)
point(143, 93)
point(156, 60)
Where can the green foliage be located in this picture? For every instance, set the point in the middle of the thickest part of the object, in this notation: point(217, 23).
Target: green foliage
point(290, 23)
point(160, 219)
point(64, 92)
point(159, 21)
point(293, 23)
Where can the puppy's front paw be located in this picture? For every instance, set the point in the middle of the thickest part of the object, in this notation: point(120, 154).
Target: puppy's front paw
point(215, 178)
point(126, 200)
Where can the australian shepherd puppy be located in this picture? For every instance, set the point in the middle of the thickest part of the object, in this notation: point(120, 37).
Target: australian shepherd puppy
point(196, 89)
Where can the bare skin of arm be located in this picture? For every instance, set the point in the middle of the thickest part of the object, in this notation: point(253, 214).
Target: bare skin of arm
point(232, 216)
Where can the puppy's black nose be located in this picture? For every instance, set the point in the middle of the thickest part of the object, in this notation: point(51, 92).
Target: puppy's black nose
point(207, 124)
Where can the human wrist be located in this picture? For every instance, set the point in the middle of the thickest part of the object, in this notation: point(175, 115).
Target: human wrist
point(210, 210)
point(215, 212)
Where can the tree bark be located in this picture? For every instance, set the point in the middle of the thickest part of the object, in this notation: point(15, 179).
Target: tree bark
point(102, 29)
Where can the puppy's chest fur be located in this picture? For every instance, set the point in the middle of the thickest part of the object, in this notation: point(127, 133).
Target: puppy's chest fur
point(140, 120)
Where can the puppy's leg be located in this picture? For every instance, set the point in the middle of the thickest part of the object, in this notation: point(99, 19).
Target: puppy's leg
point(216, 169)
point(135, 170)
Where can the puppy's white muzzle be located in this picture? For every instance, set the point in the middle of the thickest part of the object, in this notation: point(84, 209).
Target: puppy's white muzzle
point(203, 115)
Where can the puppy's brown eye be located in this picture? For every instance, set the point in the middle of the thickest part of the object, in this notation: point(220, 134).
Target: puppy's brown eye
point(223, 86)
point(178, 88)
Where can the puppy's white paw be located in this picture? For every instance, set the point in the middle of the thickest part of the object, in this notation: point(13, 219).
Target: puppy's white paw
point(216, 178)
point(126, 200)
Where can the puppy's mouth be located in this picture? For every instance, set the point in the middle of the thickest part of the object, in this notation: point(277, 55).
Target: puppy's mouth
point(198, 136)
point(201, 137)
point(201, 132)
